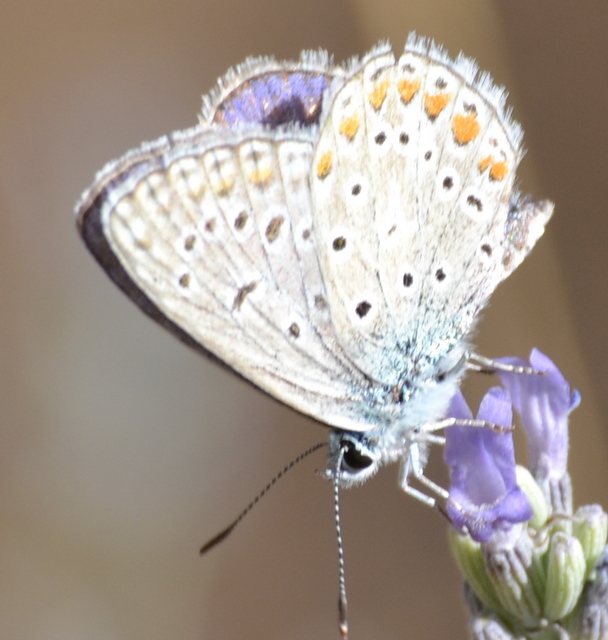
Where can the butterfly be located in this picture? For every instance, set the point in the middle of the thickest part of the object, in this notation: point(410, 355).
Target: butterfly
point(331, 234)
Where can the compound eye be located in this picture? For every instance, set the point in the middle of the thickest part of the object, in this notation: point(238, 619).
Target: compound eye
point(353, 459)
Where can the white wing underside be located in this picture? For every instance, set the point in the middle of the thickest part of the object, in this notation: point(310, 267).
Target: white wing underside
point(219, 237)
point(263, 253)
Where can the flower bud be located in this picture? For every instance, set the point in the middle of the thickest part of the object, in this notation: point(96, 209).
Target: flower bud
point(590, 526)
point(566, 569)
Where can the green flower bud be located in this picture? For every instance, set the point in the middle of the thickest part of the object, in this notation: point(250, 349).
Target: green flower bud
point(511, 572)
point(469, 558)
point(535, 495)
point(566, 569)
point(590, 527)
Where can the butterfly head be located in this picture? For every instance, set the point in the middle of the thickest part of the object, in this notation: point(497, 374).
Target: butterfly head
point(354, 456)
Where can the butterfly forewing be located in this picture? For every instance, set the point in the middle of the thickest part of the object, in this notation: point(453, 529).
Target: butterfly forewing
point(412, 189)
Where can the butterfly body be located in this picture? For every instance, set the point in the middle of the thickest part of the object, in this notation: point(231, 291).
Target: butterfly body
point(329, 233)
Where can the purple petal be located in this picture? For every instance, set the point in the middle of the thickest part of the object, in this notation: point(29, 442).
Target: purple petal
point(543, 403)
point(484, 495)
point(459, 408)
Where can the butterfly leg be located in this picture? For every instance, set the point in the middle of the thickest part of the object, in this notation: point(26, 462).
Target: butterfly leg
point(481, 364)
point(413, 466)
point(419, 495)
point(428, 428)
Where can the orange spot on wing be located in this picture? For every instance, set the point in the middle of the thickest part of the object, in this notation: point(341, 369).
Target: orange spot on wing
point(484, 163)
point(466, 127)
point(350, 126)
point(499, 170)
point(144, 242)
point(223, 187)
point(434, 104)
point(378, 95)
point(324, 165)
point(260, 177)
point(407, 89)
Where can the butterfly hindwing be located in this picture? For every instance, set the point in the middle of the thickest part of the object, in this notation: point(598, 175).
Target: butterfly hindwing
point(217, 233)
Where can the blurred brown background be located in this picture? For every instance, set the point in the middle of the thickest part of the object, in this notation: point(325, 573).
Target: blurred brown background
point(121, 451)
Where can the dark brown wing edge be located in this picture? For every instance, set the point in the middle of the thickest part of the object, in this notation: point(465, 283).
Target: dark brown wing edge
point(90, 228)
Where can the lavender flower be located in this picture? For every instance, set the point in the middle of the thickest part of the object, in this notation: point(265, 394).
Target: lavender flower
point(484, 495)
point(530, 563)
point(544, 403)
